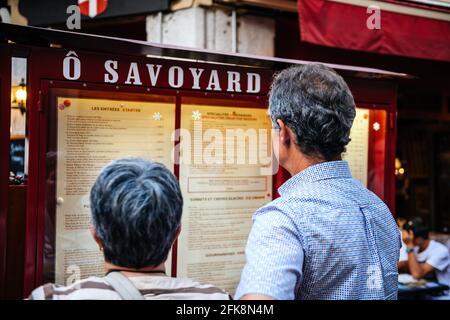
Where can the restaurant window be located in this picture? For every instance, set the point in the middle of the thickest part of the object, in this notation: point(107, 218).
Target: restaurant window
point(18, 176)
point(443, 182)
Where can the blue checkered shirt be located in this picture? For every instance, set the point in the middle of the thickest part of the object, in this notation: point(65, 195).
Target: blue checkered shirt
point(325, 237)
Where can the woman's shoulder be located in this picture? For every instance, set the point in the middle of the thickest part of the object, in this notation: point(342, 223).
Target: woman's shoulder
point(172, 288)
point(158, 288)
point(89, 288)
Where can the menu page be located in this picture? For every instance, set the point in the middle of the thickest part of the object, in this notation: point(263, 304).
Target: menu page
point(357, 153)
point(91, 133)
point(225, 175)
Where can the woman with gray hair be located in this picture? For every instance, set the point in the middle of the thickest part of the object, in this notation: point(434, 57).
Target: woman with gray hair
point(136, 210)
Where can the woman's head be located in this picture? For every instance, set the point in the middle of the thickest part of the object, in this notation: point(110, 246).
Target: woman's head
point(136, 210)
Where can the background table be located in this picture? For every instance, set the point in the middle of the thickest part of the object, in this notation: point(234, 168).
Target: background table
point(419, 292)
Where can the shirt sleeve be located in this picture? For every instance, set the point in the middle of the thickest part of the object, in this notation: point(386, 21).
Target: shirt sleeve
point(274, 256)
point(439, 258)
point(44, 292)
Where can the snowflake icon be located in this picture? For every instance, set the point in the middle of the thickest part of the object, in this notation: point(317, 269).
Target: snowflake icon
point(157, 116)
point(376, 126)
point(196, 115)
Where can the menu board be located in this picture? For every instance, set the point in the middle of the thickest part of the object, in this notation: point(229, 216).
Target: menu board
point(225, 175)
point(91, 133)
point(357, 153)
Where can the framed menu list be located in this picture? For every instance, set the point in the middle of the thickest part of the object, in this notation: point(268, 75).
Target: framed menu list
point(225, 175)
point(90, 133)
point(357, 151)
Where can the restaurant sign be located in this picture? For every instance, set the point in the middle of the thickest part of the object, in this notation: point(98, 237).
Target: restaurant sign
point(160, 75)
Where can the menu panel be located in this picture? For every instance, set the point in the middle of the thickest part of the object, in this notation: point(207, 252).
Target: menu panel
point(90, 134)
point(357, 151)
point(225, 175)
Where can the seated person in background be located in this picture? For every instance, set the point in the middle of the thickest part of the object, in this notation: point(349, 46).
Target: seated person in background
point(136, 210)
point(401, 222)
point(421, 256)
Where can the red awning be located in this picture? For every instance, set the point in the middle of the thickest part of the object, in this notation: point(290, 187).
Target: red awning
point(405, 30)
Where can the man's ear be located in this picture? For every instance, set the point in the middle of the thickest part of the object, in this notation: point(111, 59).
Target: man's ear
point(94, 235)
point(285, 133)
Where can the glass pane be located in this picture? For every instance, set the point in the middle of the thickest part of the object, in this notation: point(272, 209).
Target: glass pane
point(377, 152)
point(443, 182)
point(18, 172)
point(88, 129)
point(366, 150)
point(19, 141)
point(225, 177)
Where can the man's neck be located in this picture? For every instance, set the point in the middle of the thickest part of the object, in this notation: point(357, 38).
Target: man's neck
point(159, 270)
point(300, 162)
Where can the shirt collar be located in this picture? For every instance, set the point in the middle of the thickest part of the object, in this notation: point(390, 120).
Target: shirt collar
point(317, 172)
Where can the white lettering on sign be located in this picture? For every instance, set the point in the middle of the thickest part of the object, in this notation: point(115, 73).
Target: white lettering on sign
point(214, 81)
point(178, 82)
point(153, 74)
point(233, 81)
point(71, 66)
point(157, 75)
point(111, 68)
point(253, 82)
point(133, 75)
point(196, 73)
point(5, 16)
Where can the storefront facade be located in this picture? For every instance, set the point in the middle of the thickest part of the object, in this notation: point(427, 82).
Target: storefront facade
point(92, 99)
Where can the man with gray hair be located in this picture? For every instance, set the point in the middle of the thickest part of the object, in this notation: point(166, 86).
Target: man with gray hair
point(326, 236)
point(136, 210)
